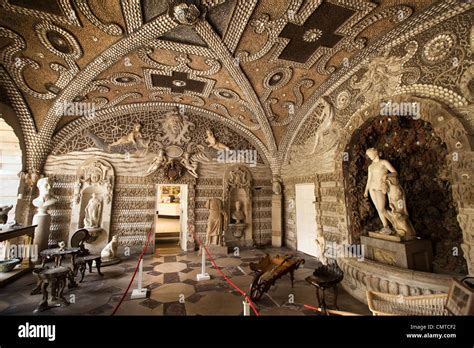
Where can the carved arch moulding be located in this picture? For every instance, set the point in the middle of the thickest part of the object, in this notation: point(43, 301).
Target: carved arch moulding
point(459, 158)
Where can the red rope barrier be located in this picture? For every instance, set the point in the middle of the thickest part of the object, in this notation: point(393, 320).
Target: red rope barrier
point(243, 293)
point(136, 269)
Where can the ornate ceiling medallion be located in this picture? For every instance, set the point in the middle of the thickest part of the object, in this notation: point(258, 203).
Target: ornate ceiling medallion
point(58, 41)
point(226, 94)
point(438, 48)
point(125, 79)
point(277, 78)
point(312, 35)
point(178, 82)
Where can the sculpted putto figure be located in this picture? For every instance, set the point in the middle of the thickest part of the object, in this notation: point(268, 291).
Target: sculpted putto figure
point(376, 186)
point(157, 162)
point(134, 137)
point(189, 164)
point(213, 142)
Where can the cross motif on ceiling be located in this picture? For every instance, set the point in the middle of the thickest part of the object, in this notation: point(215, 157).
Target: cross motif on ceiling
point(178, 82)
point(318, 30)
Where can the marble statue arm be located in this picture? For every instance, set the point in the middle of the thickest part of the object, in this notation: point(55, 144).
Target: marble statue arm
point(389, 167)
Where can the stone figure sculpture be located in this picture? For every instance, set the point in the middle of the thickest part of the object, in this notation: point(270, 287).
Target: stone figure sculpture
point(326, 133)
point(276, 187)
point(45, 198)
point(213, 142)
point(215, 222)
point(376, 186)
point(398, 214)
point(92, 212)
point(238, 215)
point(110, 250)
point(382, 182)
point(157, 162)
point(189, 164)
point(134, 138)
point(4, 213)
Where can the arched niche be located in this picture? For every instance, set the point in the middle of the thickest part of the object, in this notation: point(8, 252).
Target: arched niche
point(238, 191)
point(458, 163)
point(94, 177)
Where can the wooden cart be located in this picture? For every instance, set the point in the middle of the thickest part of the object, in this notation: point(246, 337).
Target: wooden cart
point(268, 270)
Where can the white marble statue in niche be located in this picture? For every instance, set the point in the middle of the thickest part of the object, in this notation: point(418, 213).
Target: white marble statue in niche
point(238, 215)
point(92, 212)
point(382, 181)
point(45, 198)
point(213, 142)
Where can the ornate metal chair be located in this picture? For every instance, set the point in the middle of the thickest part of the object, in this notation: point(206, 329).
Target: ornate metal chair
point(84, 258)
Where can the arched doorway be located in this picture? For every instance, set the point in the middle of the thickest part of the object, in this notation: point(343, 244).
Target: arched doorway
point(10, 166)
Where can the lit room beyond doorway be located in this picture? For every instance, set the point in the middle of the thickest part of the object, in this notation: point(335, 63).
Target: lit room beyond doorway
point(170, 219)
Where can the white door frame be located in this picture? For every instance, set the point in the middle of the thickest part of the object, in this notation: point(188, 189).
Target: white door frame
point(183, 219)
point(306, 227)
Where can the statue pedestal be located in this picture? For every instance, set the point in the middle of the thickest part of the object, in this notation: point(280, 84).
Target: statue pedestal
point(415, 254)
point(109, 262)
point(215, 250)
point(43, 222)
point(237, 229)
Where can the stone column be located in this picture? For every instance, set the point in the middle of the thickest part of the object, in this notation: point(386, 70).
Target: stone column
point(43, 220)
point(277, 220)
point(277, 213)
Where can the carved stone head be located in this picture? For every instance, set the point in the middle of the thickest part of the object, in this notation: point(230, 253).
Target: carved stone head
point(137, 127)
point(372, 153)
point(44, 187)
point(173, 124)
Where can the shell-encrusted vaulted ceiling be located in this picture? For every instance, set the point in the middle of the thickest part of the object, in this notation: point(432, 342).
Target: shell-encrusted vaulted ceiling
point(256, 65)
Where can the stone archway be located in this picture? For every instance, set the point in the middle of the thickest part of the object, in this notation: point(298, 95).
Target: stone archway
point(459, 160)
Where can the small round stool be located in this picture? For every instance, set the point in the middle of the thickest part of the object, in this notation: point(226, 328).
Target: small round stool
point(56, 279)
point(325, 277)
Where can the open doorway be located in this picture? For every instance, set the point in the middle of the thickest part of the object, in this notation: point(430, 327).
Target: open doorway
point(306, 220)
point(171, 218)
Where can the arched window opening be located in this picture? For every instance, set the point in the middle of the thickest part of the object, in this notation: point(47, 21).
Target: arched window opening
point(10, 166)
